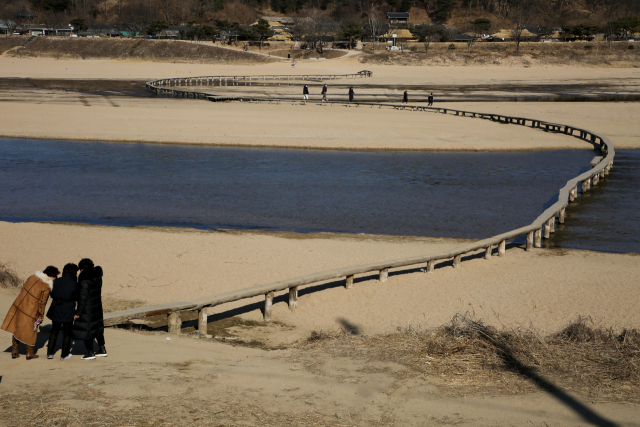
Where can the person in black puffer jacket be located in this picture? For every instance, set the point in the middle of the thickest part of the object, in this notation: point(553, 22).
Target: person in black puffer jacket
point(89, 323)
point(62, 310)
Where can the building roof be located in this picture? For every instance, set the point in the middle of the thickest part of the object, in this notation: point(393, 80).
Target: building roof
point(280, 19)
point(401, 33)
point(398, 15)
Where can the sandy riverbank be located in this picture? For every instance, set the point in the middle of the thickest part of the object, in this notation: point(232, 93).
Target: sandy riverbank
point(58, 114)
point(149, 379)
point(546, 288)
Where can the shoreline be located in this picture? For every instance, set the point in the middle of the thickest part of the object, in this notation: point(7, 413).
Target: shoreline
point(314, 148)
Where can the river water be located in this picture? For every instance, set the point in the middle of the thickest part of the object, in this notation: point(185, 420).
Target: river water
point(452, 194)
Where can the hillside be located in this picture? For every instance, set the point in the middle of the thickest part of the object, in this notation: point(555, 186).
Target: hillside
point(134, 49)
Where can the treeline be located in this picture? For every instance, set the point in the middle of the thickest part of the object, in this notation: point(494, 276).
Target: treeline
point(502, 13)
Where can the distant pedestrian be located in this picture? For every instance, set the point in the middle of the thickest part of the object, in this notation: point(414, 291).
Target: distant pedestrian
point(293, 64)
point(430, 99)
point(405, 98)
point(324, 92)
point(351, 94)
point(305, 92)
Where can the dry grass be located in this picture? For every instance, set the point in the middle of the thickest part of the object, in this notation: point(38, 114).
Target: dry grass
point(306, 54)
point(504, 54)
point(9, 42)
point(472, 357)
point(41, 409)
point(136, 49)
point(8, 277)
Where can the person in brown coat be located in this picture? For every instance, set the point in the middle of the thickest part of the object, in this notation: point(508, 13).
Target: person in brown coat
point(27, 309)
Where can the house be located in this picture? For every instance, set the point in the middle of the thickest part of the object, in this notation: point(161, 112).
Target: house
point(173, 32)
point(281, 20)
point(397, 19)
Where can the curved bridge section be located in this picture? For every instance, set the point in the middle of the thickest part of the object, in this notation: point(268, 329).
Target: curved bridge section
point(179, 86)
point(541, 228)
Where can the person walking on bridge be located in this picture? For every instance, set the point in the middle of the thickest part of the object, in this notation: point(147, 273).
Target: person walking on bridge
point(405, 98)
point(351, 94)
point(430, 99)
point(324, 92)
point(305, 92)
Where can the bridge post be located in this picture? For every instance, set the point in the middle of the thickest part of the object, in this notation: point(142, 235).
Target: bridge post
point(456, 261)
point(268, 304)
point(552, 224)
point(501, 248)
point(430, 266)
point(561, 216)
point(547, 228)
point(487, 252)
point(529, 241)
point(538, 238)
point(203, 316)
point(348, 284)
point(293, 298)
point(174, 323)
point(384, 275)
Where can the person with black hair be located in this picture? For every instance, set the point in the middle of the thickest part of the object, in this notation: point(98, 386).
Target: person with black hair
point(351, 94)
point(62, 310)
point(89, 324)
point(27, 311)
point(430, 99)
point(305, 92)
point(324, 92)
point(405, 98)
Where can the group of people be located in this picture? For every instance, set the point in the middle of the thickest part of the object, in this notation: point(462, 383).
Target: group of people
point(405, 99)
point(405, 95)
point(76, 310)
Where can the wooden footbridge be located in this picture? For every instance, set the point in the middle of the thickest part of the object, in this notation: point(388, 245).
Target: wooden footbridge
point(541, 228)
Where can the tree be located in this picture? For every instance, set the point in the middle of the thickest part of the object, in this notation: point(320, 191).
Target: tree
point(7, 17)
point(481, 25)
point(78, 24)
point(375, 25)
point(580, 30)
point(426, 34)
point(611, 30)
point(155, 27)
point(262, 30)
point(352, 31)
point(442, 11)
point(521, 15)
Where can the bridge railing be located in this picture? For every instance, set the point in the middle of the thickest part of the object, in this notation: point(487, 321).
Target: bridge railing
point(164, 86)
point(541, 228)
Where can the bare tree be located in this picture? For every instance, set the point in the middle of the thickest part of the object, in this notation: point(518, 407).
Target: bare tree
point(425, 34)
point(521, 14)
point(375, 24)
point(6, 19)
point(316, 26)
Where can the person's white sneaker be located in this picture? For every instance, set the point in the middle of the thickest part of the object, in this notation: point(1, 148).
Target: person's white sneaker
point(66, 358)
